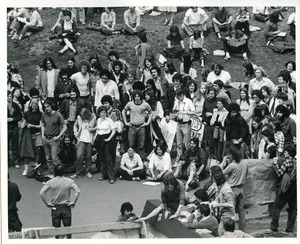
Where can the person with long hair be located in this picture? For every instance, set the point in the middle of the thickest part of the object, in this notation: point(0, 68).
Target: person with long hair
point(175, 43)
point(68, 33)
point(106, 130)
point(291, 67)
point(146, 74)
point(255, 137)
point(160, 164)
point(268, 149)
point(265, 91)
point(31, 139)
point(169, 71)
point(83, 131)
point(173, 198)
point(244, 102)
point(186, 67)
point(248, 72)
point(71, 67)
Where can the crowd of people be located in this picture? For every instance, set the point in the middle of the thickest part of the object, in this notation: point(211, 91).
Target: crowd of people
point(85, 116)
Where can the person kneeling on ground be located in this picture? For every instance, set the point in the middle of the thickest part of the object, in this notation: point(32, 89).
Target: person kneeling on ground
point(131, 166)
point(230, 231)
point(126, 213)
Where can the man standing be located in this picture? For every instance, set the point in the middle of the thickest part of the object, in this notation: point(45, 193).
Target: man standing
point(220, 92)
point(14, 196)
point(183, 109)
point(132, 22)
point(138, 110)
point(70, 109)
point(236, 173)
point(60, 203)
point(53, 128)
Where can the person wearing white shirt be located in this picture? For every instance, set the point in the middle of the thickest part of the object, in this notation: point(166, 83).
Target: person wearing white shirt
point(183, 109)
point(195, 19)
point(160, 164)
point(105, 86)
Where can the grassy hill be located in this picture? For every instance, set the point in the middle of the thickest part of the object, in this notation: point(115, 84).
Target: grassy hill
point(31, 51)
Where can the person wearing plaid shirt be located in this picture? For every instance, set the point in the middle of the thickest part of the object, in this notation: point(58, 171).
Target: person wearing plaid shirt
point(290, 196)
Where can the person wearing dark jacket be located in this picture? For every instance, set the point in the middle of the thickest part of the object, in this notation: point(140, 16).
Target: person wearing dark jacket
point(236, 130)
point(14, 196)
point(14, 115)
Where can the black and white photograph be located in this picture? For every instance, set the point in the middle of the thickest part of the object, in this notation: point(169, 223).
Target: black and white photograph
point(149, 122)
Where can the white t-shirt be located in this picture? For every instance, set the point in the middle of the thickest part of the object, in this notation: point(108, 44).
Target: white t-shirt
point(50, 83)
point(105, 126)
point(195, 18)
point(82, 83)
point(223, 76)
point(85, 135)
point(160, 163)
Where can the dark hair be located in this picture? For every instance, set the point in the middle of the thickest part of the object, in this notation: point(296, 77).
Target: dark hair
point(282, 109)
point(274, 17)
point(197, 34)
point(34, 92)
point(282, 95)
point(187, 63)
point(126, 206)
point(222, 100)
point(113, 53)
point(157, 69)
point(219, 83)
point(249, 69)
point(177, 76)
point(256, 119)
point(290, 149)
point(51, 61)
point(67, 13)
point(74, 88)
point(202, 195)
point(162, 147)
point(98, 66)
point(138, 85)
point(229, 224)
point(179, 92)
point(50, 103)
point(269, 133)
point(59, 170)
point(142, 36)
point(94, 56)
point(258, 110)
point(137, 92)
point(196, 141)
point(219, 178)
point(265, 88)
point(107, 98)
point(217, 65)
point(257, 93)
point(247, 95)
point(63, 72)
point(84, 63)
point(100, 109)
point(171, 68)
point(286, 76)
point(105, 72)
point(71, 59)
point(215, 170)
point(236, 155)
point(233, 107)
point(117, 63)
point(85, 114)
point(153, 99)
point(204, 209)
point(151, 82)
point(174, 28)
point(191, 81)
point(209, 89)
point(150, 59)
point(170, 180)
point(292, 63)
point(276, 123)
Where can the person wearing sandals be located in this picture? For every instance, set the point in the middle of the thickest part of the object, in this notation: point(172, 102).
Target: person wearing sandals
point(235, 41)
point(195, 19)
point(83, 131)
point(169, 13)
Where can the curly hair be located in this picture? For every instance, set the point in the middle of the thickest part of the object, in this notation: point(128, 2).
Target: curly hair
point(236, 155)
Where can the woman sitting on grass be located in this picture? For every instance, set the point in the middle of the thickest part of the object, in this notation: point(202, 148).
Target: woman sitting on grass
point(108, 22)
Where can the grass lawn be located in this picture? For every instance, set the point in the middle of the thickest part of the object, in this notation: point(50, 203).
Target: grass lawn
point(31, 51)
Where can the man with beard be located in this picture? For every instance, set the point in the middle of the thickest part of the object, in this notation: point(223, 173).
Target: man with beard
point(288, 125)
point(193, 153)
point(220, 92)
point(61, 89)
point(236, 130)
point(53, 128)
point(70, 109)
point(118, 75)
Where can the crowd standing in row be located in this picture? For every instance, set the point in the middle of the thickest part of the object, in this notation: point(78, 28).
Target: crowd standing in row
point(84, 113)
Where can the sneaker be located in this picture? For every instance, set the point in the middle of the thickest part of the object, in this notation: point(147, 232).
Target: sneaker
point(17, 166)
point(74, 176)
point(24, 172)
point(89, 175)
point(111, 181)
point(136, 179)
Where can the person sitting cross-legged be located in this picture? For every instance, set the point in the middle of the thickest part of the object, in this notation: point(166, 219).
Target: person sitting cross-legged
point(131, 166)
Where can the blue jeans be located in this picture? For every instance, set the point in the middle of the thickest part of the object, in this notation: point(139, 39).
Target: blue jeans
point(183, 136)
point(239, 201)
point(290, 197)
point(51, 152)
point(83, 148)
point(137, 133)
point(61, 213)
